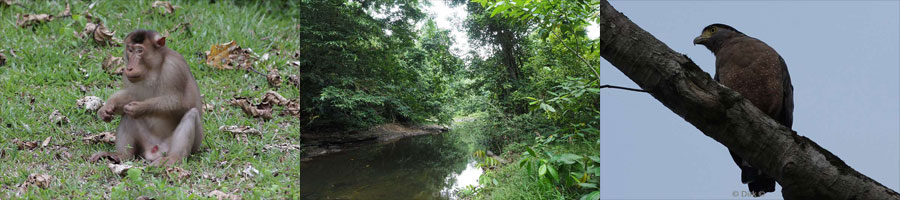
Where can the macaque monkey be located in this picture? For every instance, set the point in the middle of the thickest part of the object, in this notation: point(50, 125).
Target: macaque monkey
point(160, 103)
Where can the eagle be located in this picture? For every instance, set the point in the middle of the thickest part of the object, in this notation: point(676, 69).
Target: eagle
point(753, 69)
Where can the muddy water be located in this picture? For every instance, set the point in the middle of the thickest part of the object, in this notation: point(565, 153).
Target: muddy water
point(422, 167)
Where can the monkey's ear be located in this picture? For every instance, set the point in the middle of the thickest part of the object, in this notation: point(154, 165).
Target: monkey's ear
point(160, 42)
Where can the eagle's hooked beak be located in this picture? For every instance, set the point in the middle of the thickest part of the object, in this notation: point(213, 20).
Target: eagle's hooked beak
point(699, 40)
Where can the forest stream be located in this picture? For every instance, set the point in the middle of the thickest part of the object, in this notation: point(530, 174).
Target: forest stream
point(429, 166)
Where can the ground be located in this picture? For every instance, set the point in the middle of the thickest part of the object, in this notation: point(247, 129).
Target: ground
point(48, 68)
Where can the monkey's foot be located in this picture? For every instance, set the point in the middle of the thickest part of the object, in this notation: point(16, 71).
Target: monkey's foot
point(165, 161)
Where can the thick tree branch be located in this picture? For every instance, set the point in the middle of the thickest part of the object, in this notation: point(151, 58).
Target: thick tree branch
point(803, 168)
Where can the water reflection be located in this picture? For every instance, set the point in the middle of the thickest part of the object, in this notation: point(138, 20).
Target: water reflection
point(424, 167)
point(467, 177)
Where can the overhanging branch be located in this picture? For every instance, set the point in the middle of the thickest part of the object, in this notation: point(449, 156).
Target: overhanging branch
point(803, 168)
point(621, 88)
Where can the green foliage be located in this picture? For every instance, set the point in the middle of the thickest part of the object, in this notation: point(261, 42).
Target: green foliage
point(468, 192)
point(578, 173)
point(498, 76)
point(564, 16)
point(364, 63)
point(502, 130)
point(511, 182)
point(557, 84)
point(485, 161)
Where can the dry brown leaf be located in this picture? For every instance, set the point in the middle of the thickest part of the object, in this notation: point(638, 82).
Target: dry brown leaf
point(219, 53)
point(111, 156)
point(63, 155)
point(263, 110)
point(58, 118)
point(273, 78)
point(164, 7)
point(119, 71)
point(66, 13)
point(104, 137)
point(240, 130)
point(209, 107)
point(292, 108)
point(282, 147)
point(223, 196)
point(88, 16)
point(7, 2)
point(113, 65)
point(38, 180)
point(145, 198)
point(230, 56)
point(250, 171)
point(242, 58)
point(27, 20)
point(2, 59)
point(100, 34)
point(90, 103)
point(122, 169)
point(46, 142)
point(272, 97)
point(178, 172)
point(25, 145)
point(294, 80)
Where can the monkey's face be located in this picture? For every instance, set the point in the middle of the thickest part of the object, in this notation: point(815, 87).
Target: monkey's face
point(136, 68)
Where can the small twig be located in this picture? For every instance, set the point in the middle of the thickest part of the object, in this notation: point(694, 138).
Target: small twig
point(622, 88)
point(596, 74)
point(254, 70)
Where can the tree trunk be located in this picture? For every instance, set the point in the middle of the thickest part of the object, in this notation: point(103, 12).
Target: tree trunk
point(803, 168)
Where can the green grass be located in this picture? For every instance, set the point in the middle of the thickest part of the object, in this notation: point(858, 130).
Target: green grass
point(52, 65)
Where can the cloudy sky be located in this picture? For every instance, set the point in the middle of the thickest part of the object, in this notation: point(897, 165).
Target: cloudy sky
point(843, 57)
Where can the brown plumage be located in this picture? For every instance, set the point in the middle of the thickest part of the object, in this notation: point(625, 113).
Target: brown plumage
point(752, 68)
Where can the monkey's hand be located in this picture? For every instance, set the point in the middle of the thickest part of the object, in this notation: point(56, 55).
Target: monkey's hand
point(106, 112)
point(134, 109)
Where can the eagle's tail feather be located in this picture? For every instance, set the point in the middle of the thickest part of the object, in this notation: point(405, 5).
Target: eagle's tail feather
point(758, 182)
point(761, 185)
point(748, 174)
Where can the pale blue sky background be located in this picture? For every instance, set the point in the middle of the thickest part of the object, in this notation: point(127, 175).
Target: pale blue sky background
point(844, 60)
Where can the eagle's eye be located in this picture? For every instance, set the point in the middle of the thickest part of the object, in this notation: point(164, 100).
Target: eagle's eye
point(712, 29)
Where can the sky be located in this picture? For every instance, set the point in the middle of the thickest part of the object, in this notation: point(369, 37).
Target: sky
point(451, 18)
point(844, 61)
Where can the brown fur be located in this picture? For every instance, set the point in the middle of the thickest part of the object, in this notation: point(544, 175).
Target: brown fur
point(752, 68)
point(160, 103)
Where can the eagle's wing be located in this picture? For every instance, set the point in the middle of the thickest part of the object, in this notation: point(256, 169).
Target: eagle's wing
point(787, 106)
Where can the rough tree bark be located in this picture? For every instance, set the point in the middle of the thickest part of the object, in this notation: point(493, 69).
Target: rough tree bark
point(803, 168)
